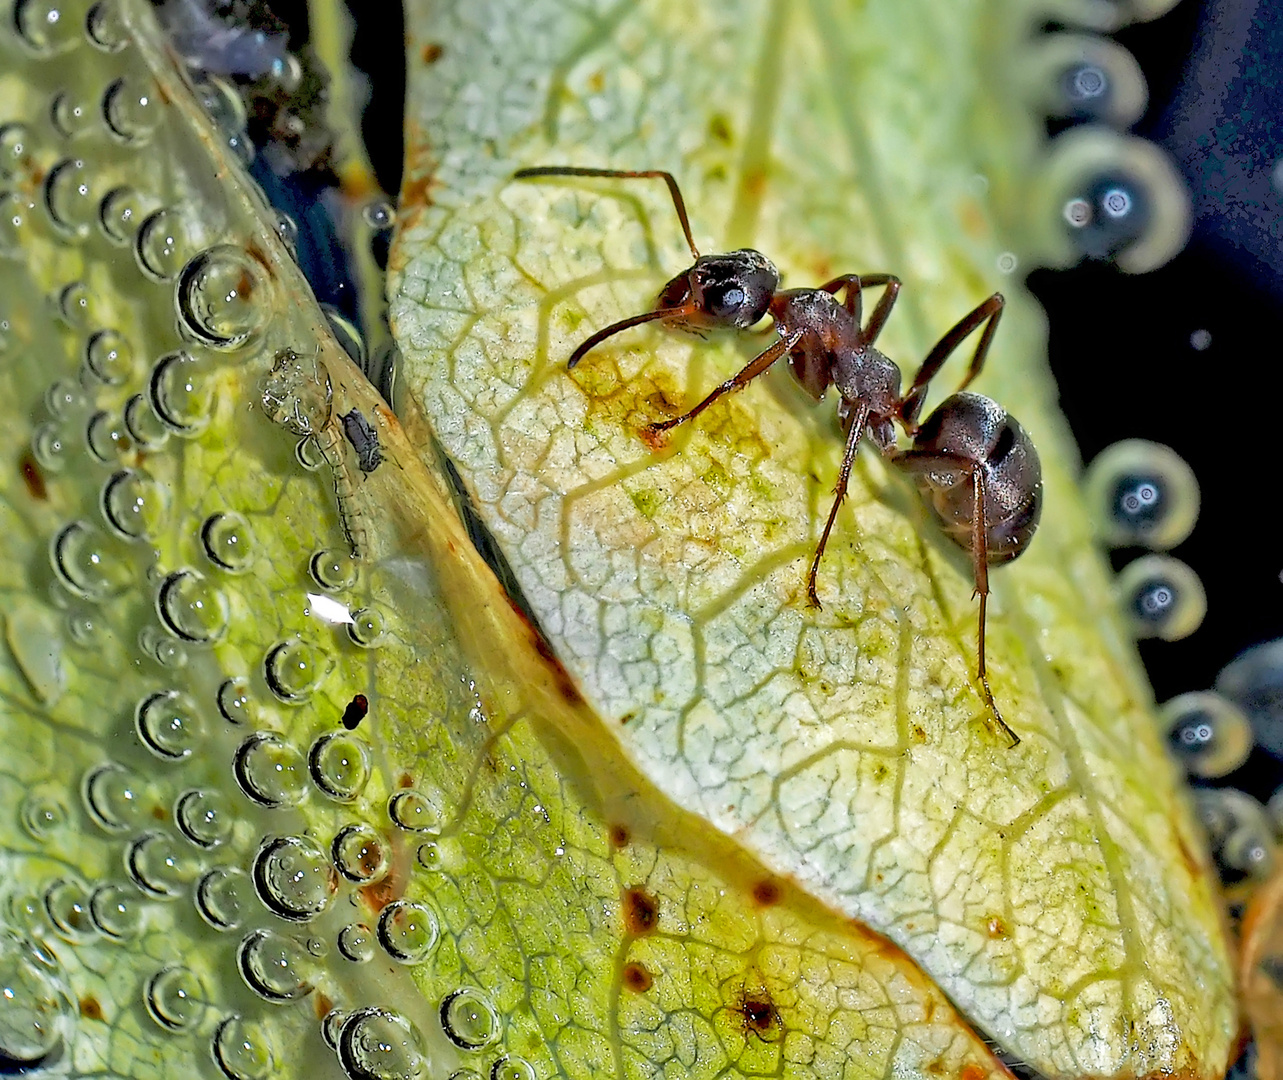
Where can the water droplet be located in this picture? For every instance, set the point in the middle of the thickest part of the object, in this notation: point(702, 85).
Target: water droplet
point(113, 796)
point(293, 878)
point(203, 816)
point(234, 701)
point(366, 628)
point(1249, 851)
point(1209, 735)
point(89, 563)
point(107, 438)
point(36, 1018)
point(242, 1051)
point(105, 28)
point(469, 1020)
point(340, 765)
point(378, 1044)
point(15, 147)
point(179, 394)
point(74, 304)
point(359, 854)
point(45, 26)
point(413, 810)
point(120, 213)
point(379, 214)
point(346, 334)
point(116, 911)
point(48, 447)
point(163, 245)
point(1142, 493)
point(71, 114)
point(162, 648)
point(222, 897)
point(15, 213)
point(333, 570)
point(1200, 340)
point(228, 541)
point(67, 906)
point(43, 812)
point(274, 966)
point(64, 399)
point(192, 608)
point(356, 942)
point(511, 1067)
point(131, 111)
point(308, 454)
point(158, 866)
point(109, 357)
point(270, 771)
point(174, 998)
point(222, 297)
point(143, 424)
point(287, 230)
point(169, 724)
point(133, 504)
point(407, 931)
point(70, 199)
point(1162, 597)
point(294, 669)
point(1254, 682)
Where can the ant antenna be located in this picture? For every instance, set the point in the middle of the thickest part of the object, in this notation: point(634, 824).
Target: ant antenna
point(624, 324)
point(617, 174)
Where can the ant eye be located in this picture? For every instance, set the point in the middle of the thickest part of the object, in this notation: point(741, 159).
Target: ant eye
point(724, 301)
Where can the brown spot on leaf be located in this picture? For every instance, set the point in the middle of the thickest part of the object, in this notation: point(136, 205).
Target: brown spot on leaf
point(637, 978)
point(918, 733)
point(431, 52)
point(758, 1015)
point(766, 893)
point(405, 780)
point(972, 1071)
point(160, 813)
point(322, 1004)
point(619, 836)
point(640, 910)
point(996, 927)
point(628, 717)
point(33, 477)
point(91, 1008)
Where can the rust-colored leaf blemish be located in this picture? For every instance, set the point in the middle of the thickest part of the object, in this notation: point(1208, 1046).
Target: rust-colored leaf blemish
point(160, 813)
point(637, 978)
point(33, 477)
point(322, 1004)
point(91, 1008)
point(619, 836)
point(997, 927)
point(972, 1071)
point(431, 52)
point(627, 717)
point(565, 685)
point(405, 780)
point(380, 894)
point(766, 893)
point(918, 733)
point(758, 1014)
point(640, 910)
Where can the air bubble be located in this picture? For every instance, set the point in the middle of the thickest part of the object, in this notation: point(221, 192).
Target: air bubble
point(242, 1051)
point(162, 648)
point(143, 424)
point(113, 797)
point(191, 607)
point(274, 966)
point(179, 394)
point(270, 771)
point(1161, 597)
point(378, 1044)
point(131, 112)
point(222, 897)
point(333, 570)
point(294, 669)
point(15, 213)
point(89, 563)
point(36, 1017)
point(1087, 77)
point(356, 943)
point(45, 25)
point(66, 904)
point(48, 447)
point(15, 148)
point(174, 998)
point(42, 812)
point(109, 357)
point(469, 1020)
point(293, 878)
point(107, 438)
point(414, 811)
point(120, 214)
point(379, 214)
point(1254, 682)
point(204, 817)
point(74, 304)
point(1249, 851)
point(105, 28)
point(133, 504)
point(69, 198)
point(169, 724)
point(1209, 735)
point(159, 867)
point(234, 701)
point(222, 297)
point(115, 910)
point(407, 931)
point(366, 628)
point(64, 399)
point(340, 766)
point(346, 334)
point(359, 854)
point(228, 541)
point(163, 245)
point(71, 115)
point(511, 1067)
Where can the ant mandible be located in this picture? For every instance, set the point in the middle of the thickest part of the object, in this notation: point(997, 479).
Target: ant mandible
point(975, 466)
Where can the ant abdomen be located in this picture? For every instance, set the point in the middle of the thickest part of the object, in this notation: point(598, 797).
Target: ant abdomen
point(970, 434)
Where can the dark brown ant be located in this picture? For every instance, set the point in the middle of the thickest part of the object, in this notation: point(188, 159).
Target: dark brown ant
point(975, 466)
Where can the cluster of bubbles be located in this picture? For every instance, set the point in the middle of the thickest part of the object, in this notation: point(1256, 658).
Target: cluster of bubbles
point(225, 792)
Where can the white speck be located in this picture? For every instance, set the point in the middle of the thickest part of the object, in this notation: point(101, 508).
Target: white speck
point(1007, 262)
point(1200, 339)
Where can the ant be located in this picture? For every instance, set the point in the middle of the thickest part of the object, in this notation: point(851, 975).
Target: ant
point(974, 465)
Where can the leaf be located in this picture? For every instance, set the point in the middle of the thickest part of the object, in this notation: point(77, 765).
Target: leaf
point(1057, 892)
point(224, 864)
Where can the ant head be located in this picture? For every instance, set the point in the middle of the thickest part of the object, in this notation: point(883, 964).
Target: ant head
point(730, 291)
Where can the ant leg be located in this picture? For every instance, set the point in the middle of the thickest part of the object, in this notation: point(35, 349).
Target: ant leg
point(751, 371)
point(987, 315)
point(859, 420)
point(620, 174)
point(854, 285)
